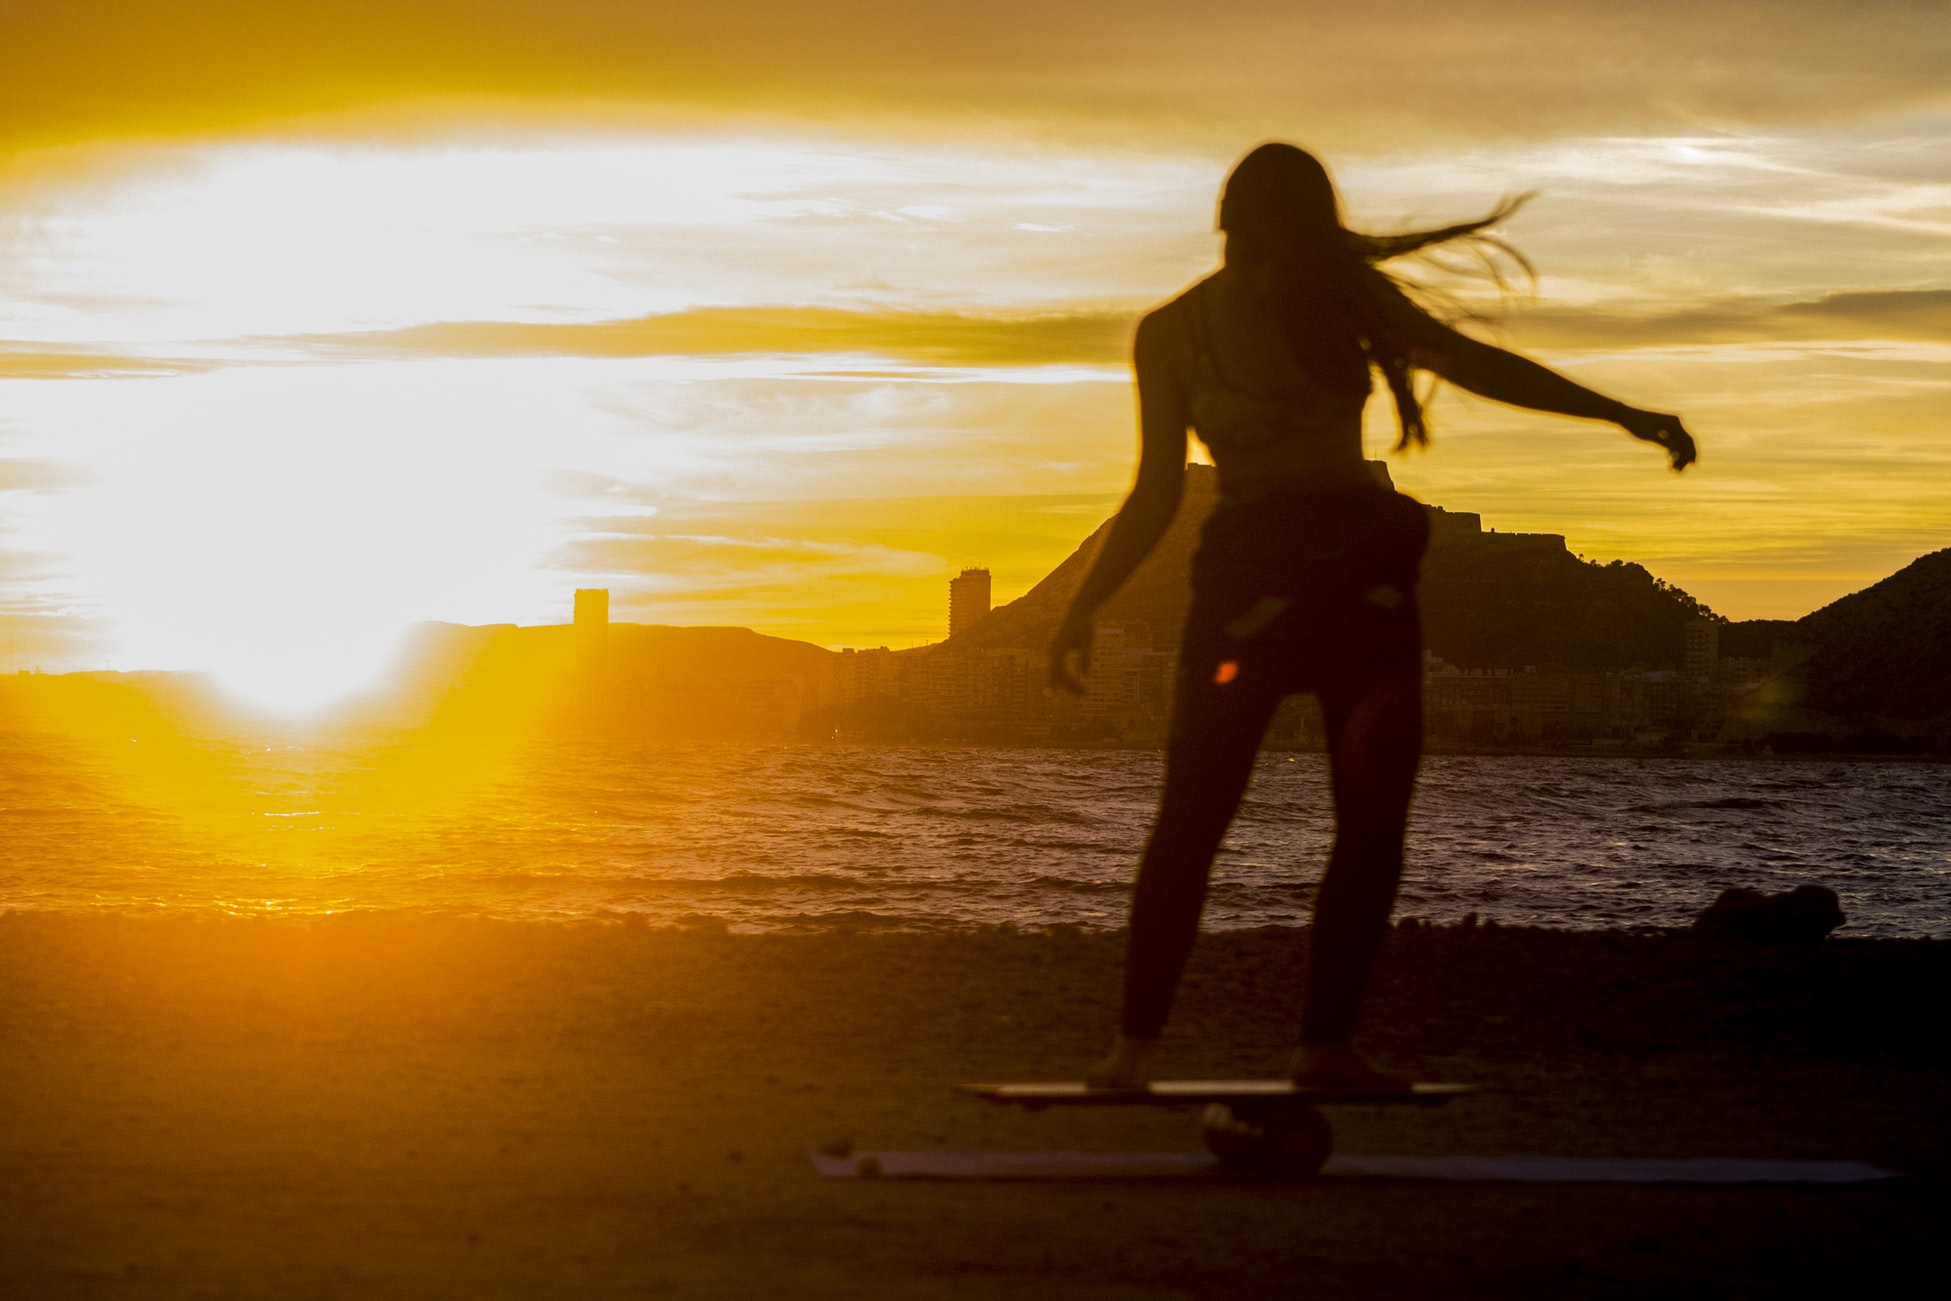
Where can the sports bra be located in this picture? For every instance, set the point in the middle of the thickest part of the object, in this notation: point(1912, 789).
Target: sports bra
point(1263, 441)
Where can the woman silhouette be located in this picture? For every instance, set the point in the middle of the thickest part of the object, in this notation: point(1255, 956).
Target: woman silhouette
point(1305, 575)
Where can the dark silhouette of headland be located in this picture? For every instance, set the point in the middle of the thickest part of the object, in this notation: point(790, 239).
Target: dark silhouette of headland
point(1530, 646)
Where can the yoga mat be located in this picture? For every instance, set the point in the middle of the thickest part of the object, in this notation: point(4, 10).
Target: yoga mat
point(950, 1164)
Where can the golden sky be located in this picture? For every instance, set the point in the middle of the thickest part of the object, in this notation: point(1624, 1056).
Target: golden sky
point(319, 320)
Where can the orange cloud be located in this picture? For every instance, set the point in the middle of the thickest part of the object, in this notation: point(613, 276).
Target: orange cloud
point(936, 337)
point(1338, 74)
point(1922, 315)
point(956, 339)
point(82, 363)
point(28, 474)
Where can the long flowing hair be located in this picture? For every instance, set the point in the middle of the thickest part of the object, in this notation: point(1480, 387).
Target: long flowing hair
point(1280, 206)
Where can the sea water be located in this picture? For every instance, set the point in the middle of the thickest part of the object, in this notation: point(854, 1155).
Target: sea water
point(770, 837)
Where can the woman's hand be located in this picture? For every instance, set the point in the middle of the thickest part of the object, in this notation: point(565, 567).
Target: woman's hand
point(1073, 637)
point(1666, 431)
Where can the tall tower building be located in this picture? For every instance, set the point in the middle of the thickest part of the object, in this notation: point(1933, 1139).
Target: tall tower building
point(592, 607)
point(968, 599)
point(1701, 647)
point(592, 628)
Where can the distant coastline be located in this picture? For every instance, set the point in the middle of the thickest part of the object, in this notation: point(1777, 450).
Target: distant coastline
point(1531, 650)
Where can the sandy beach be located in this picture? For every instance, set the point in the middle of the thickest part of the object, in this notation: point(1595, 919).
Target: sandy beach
point(375, 1107)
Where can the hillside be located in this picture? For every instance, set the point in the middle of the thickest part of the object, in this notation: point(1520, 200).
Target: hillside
point(1490, 600)
point(1156, 595)
point(1884, 652)
point(1493, 605)
point(639, 679)
point(444, 652)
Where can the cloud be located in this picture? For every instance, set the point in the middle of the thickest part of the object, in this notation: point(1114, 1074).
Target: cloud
point(1915, 315)
point(82, 364)
point(1103, 337)
point(1338, 74)
point(932, 337)
point(21, 474)
point(1902, 314)
point(77, 361)
point(946, 339)
point(20, 568)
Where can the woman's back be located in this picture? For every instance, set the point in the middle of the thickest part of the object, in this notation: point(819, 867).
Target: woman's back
point(1269, 421)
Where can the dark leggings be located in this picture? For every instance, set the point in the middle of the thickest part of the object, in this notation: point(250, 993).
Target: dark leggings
point(1374, 726)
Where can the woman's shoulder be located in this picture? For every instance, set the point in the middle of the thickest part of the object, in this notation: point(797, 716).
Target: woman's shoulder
point(1176, 308)
point(1172, 325)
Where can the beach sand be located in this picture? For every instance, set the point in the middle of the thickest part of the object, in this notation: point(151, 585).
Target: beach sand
point(384, 1107)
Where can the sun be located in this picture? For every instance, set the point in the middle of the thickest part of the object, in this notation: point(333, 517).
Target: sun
point(280, 528)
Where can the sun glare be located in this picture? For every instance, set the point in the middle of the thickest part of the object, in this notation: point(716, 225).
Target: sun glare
point(280, 400)
point(275, 511)
point(225, 243)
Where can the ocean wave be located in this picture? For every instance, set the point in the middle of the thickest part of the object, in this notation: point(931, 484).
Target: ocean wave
point(781, 835)
point(1071, 885)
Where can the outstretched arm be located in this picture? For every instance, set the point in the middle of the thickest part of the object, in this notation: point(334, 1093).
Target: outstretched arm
point(1504, 376)
point(1163, 417)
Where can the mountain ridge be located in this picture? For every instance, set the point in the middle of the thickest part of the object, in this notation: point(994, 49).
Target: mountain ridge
point(1550, 605)
point(1502, 601)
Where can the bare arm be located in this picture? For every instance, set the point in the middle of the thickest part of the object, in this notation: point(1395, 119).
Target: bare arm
point(1163, 417)
point(1504, 376)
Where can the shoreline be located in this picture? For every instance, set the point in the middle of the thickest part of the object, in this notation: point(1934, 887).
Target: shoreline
point(1695, 751)
point(427, 1107)
point(300, 734)
point(844, 926)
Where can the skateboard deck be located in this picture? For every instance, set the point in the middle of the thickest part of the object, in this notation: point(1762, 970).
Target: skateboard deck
point(1269, 1126)
point(1195, 1093)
